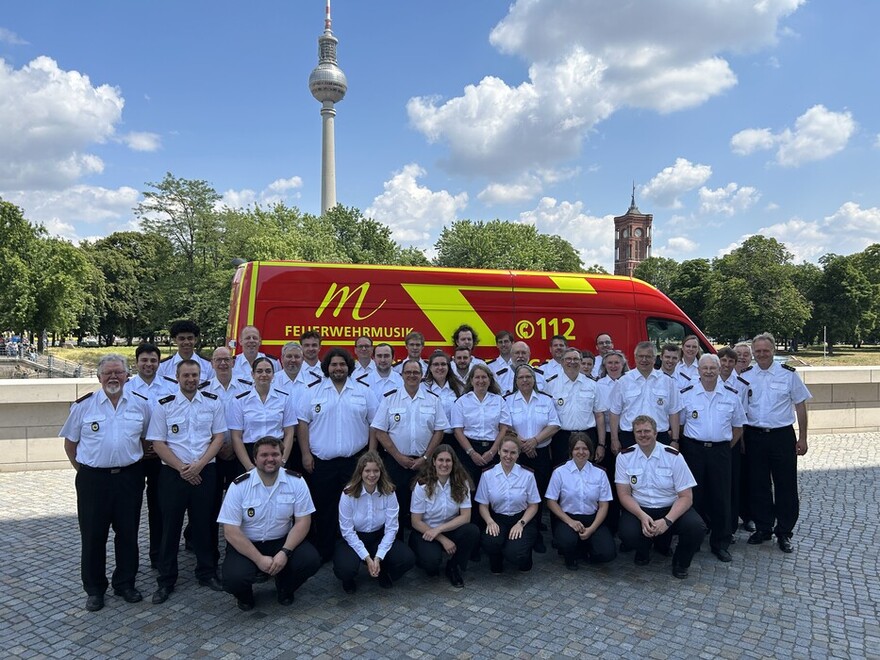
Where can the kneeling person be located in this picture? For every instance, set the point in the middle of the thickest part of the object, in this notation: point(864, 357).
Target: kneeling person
point(266, 517)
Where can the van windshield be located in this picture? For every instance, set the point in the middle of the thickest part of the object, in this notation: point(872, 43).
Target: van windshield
point(665, 331)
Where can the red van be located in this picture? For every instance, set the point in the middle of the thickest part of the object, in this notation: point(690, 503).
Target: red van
point(344, 301)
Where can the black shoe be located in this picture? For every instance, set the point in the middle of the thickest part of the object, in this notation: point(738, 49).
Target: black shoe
point(285, 598)
point(642, 558)
point(732, 539)
point(664, 551)
point(723, 554)
point(129, 594)
point(539, 546)
point(453, 572)
point(161, 595)
point(784, 544)
point(385, 580)
point(496, 564)
point(244, 604)
point(95, 603)
point(261, 577)
point(525, 565)
point(757, 538)
point(679, 572)
point(571, 564)
point(212, 583)
point(349, 586)
point(748, 525)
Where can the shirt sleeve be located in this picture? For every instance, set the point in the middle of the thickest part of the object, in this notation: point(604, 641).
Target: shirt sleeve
point(482, 496)
point(230, 511)
point(235, 416)
point(289, 414)
point(620, 471)
point(347, 505)
point(380, 419)
point(392, 511)
point(615, 398)
point(71, 428)
point(534, 497)
point(158, 429)
point(604, 488)
point(372, 406)
point(304, 506)
point(682, 475)
point(457, 420)
point(441, 422)
point(554, 488)
point(419, 502)
point(505, 418)
point(219, 424)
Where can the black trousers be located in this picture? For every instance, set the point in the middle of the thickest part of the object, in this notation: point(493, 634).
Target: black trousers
point(516, 551)
point(628, 438)
point(326, 483)
point(597, 549)
point(240, 573)
point(710, 466)
point(108, 498)
point(429, 554)
point(740, 506)
point(403, 486)
point(689, 528)
point(152, 468)
point(178, 497)
point(398, 560)
point(475, 472)
point(772, 460)
point(227, 471)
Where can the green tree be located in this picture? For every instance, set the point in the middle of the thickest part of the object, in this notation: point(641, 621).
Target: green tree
point(843, 301)
point(506, 245)
point(659, 271)
point(361, 240)
point(597, 269)
point(690, 287)
point(753, 291)
point(17, 251)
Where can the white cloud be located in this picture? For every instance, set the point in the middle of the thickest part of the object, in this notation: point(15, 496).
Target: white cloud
point(587, 58)
point(141, 141)
point(511, 193)
point(818, 134)
point(728, 200)
point(675, 180)
point(413, 212)
point(591, 236)
point(677, 247)
point(277, 192)
point(9, 37)
point(49, 118)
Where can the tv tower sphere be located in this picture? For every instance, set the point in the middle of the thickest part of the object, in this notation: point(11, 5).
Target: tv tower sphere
point(327, 83)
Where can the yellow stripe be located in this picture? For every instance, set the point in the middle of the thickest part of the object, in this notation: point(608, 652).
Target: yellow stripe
point(252, 301)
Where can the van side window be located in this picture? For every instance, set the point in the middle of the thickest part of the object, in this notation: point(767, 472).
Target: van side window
point(664, 331)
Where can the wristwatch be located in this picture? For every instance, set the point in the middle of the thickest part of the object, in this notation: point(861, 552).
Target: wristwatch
point(288, 552)
point(522, 522)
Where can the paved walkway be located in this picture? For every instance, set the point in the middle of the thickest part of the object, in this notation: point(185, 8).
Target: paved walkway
point(822, 601)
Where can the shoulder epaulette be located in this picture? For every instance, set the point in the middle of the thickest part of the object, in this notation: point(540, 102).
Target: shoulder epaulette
point(281, 391)
point(361, 378)
point(170, 379)
point(556, 375)
point(166, 358)
point(748, 368)
point(313, 383)
point(389, 392)
point(502, 371)
point(600, 467)
point(742, 380)
point(397, 362)
point(543, 393)
point(140, 395)
point(685, 389)
point(672, 375)
point(84, 397)
point(242, 477)
point(592, 378)
point(204, 384)
point(728, 387)
point(684, 375)
point(504, 396)
point(361, 382)
point(242, 395)
point(292, 473)
point(243, 381)
point(671, 450)
point(491, 361)
point(210, 395)
point(166, 399)
point(539, 371)
point(788, 366)
point(628, 450)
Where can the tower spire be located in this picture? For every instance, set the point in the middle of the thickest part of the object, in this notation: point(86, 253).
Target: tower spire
point(328, 85)
point(632, 204)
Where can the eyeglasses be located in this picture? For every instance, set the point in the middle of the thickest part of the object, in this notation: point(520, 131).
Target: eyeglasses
point(604, 343)
point(117, 374)
point(222, 359)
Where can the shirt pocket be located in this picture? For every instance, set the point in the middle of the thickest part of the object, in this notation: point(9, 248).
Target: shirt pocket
point(133, 422)
point(635, 477)
point(396, 416)
point(665, 473)
point(176, 427)
point(92, 426)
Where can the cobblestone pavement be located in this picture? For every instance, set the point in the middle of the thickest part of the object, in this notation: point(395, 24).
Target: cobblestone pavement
point(822, 601)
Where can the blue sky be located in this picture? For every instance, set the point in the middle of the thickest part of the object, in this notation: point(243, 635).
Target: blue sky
point(732, 117)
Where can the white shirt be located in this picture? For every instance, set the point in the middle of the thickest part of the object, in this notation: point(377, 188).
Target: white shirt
point(579, 491)
point(479, 419)
point(711, 416)
point(772, 394)
point(741, 386)
point(551, 367)
point(605, 386)
point(226, 395)
point(257, 419)
point(656, 479)
point(168, 367)
point(295, 388)
point(339, 422)
point(361, 370)
point(241, 368)
point(160, 387)
point(508, 494)
point(108, 437)
point(496, 364)
point(381, 385)
point(447, 399)
point(265, 513)
point(505, 379)
point(397, 367)
point(410, 421)
point(187, 427)
point(577, 401)
point(439, 508)
point(368, 513)
point(690, 372)
point(529, 418)
point(634, 395)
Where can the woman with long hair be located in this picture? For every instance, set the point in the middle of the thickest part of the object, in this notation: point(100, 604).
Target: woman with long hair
point(578, 495)
point(440, 381)
point(690, 359)
point(441, 514)
point(368, 512)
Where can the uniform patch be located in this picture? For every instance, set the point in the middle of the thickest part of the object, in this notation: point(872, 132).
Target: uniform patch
point(251, 513)
point(96, 426)
point(560, 402)
point(695, 414)
point(318, 408)
point(634, 480)
point(396, 417)
point(660, 401)
point(175, 428)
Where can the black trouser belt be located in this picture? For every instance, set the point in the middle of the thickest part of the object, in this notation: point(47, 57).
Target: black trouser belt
point(701, 443)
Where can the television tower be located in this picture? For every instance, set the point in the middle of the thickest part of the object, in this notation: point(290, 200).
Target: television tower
point(328, 84)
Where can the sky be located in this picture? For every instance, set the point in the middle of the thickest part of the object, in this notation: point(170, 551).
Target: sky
point(730, 117)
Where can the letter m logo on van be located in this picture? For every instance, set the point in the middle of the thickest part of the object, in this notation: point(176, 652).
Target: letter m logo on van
point(342, 294)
